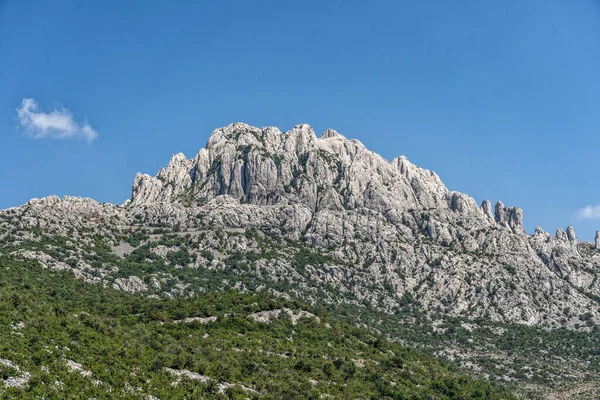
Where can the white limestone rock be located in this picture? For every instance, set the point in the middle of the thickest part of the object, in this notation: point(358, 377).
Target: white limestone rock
point(510, 217)
point(333, 193)
point(571, 236)
point(486, 207)
point(132, 284)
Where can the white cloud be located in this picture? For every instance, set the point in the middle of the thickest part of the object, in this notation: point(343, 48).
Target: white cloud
point(58, 124)
point(589, 212)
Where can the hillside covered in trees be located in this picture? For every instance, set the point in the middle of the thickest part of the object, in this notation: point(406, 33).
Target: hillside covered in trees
point(63, 338)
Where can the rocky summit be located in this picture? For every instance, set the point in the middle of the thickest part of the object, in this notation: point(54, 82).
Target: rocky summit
point(322, 219)
point(397, 225)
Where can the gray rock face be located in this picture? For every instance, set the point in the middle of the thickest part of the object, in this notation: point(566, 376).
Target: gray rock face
point(133, 284)
point(571, 237)
point(268, 167)
point(510, 217)
point(486, 207)
point(394, 227)
point(597, 241)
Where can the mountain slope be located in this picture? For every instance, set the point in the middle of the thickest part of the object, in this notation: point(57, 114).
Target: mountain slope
point(393, 226)
point(63, 339)
point(328, 221)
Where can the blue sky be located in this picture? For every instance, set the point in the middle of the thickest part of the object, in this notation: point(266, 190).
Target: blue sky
point(501, 99)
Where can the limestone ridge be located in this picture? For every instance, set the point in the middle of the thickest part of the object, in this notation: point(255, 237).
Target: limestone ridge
point(393, 228)
point(270, 167)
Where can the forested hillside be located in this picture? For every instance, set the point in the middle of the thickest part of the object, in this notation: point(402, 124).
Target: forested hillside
point(382, 246)
point(62, 338)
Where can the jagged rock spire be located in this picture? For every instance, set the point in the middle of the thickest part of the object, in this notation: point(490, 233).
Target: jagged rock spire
point(510, 217)
point(330, 133)
point(265, 166)
point(571, 236)
point(486, 207)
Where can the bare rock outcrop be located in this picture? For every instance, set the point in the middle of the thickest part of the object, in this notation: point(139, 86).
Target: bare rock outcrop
point(509, 217)
point(132, 284)
point(486, 207)
point(571, 236)
point(393, 227)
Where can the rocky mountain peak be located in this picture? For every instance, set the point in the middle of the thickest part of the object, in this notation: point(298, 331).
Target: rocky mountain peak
point(177, 170)
point(486, 207)
point(561, 235)
point(510, 217)
point(571, 236)
point(331, 134)
point(394, 225)
point(265, 166)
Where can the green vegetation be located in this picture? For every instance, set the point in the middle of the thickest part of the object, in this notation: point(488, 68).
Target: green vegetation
point(530, 360)
point(127, 343)
point(305, 257)
point(135, 238)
